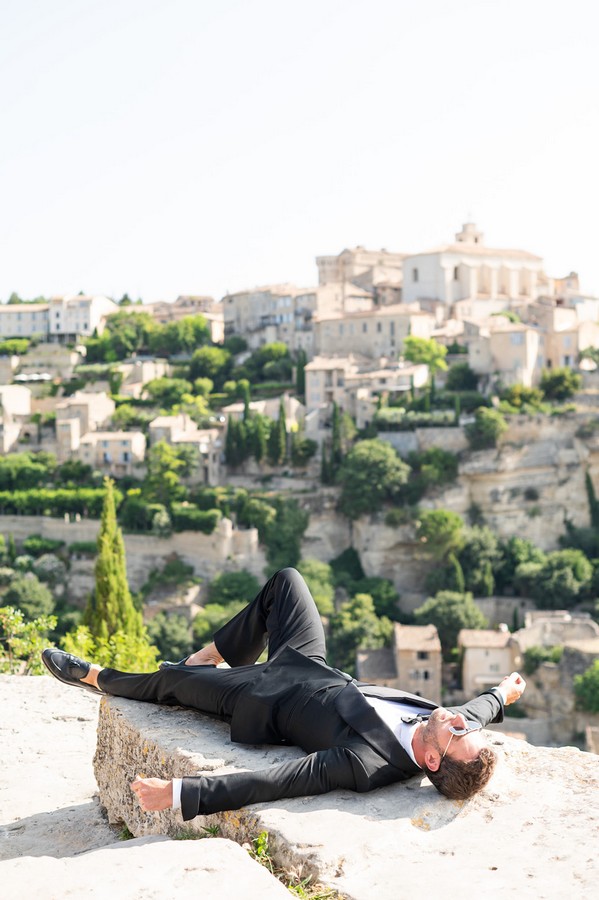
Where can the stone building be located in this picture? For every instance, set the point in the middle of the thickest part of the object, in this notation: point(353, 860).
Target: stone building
point(373, 333)
point(361, 268)
point(482, 279)
point(182, 431)
point(487, 656)
point(112, 452)
point(76, 416)
point(273, 313)
point(412, 663)
point(190, 305)
point(61, 319)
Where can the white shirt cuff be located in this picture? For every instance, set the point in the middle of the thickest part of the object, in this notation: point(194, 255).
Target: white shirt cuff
point(503, 693)
point(177, 783)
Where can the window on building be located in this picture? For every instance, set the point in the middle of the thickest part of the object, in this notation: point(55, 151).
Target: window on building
point(567, 360)
point(364, 327)
point(422, 654)
point(392, 328)
point(414, 275)
point(379, 327)
point(567, 341)
point(494, 667)
point(516, 338)
point(426, 675)
point(125, 456)
point(456, 273)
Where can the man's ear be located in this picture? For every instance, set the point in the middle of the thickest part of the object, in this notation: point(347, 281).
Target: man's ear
point(432, 759)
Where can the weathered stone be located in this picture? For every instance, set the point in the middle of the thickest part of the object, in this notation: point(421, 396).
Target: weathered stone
point(152, 867)
point(531, 833)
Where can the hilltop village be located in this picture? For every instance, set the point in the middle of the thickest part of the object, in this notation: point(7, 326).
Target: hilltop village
point(417, 433)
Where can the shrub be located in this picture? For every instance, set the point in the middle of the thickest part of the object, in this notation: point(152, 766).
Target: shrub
point(87, 548)
point(186, 517)
point(586, 688)
point(22, 642)
point(487, 428)
point(230, 587)
point(36, 545)
point(534, 656)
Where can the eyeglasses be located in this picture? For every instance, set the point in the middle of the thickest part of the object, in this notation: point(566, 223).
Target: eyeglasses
point(455, 731)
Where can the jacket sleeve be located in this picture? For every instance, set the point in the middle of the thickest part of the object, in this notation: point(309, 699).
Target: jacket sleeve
point(316, 773)
point(487, 708)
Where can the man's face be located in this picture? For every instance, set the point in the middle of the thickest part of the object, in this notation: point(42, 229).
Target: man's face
point(436, 733)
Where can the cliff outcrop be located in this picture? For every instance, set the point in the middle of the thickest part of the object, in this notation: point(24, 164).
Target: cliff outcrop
point(531, 833)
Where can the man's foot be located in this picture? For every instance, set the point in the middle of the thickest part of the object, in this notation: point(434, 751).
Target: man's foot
point(207, 656)
point(71, 670)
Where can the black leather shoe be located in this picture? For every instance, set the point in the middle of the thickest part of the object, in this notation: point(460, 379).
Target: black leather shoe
point(67, 668)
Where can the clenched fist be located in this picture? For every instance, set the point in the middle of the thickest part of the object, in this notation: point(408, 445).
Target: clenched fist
point(153, 793)
point(513, 685)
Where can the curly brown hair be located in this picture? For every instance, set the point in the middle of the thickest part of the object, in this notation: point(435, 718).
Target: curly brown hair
point(459, 779)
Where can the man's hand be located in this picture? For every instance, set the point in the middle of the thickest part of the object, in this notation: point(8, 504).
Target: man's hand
point(153, 793)
point(513, 687)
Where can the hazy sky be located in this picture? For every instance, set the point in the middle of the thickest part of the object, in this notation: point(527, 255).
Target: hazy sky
point(186, 146)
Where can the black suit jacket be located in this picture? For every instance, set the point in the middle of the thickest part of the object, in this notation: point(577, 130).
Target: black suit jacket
point(294, 699)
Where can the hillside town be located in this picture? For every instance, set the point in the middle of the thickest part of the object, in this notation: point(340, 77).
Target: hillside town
point(416, 432)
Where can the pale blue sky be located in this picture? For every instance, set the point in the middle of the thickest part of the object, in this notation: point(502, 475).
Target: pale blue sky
point(174, 147)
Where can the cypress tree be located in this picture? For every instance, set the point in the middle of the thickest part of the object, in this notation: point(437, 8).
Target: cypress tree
point(277, 439)
point(300, 378)
point(336, 452)
point(110, 608)
point(259, 437)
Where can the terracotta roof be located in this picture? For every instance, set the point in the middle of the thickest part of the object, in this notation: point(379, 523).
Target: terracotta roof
point(483, 637)
point(416, 637)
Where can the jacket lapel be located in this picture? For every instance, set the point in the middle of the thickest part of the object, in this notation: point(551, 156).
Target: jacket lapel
point(357, 712)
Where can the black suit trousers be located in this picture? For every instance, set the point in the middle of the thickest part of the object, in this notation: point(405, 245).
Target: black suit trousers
point(282, 615)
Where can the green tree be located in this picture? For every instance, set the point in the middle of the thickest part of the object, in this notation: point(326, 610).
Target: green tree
point(372, 474)
point(560, 383)
point(212, 617)
point(356, 625)
point(300, 377)
point(559, 582)
point(110, 608)
point(449, 612)
point(211, 362)
point(283, 536)
point(319, 578)
point(28, 595)
point(259, 430)
point(171, 635)
point(487, 428)
point(460, 377)
point(586, 688)
point(165, 466)
point(22, 642)
point(425, 351)
point(276, 449)
point(479, 557)
point(336, 452)
point(229, 587)
point(442, 531)
point(514, 552)
point(167, 391)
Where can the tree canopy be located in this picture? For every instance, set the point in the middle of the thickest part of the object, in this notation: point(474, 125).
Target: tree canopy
point(371, 474)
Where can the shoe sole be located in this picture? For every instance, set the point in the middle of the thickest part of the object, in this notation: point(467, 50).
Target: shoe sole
point(80, 684)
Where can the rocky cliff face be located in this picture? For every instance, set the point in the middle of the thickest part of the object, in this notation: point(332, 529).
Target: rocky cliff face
point(528, 486)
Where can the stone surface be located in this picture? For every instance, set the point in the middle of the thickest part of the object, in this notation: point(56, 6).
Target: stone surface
point(55, 841)
point(152, 867)
point(531, 833)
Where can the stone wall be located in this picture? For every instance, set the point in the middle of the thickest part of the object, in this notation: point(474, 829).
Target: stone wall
point(226, 549)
